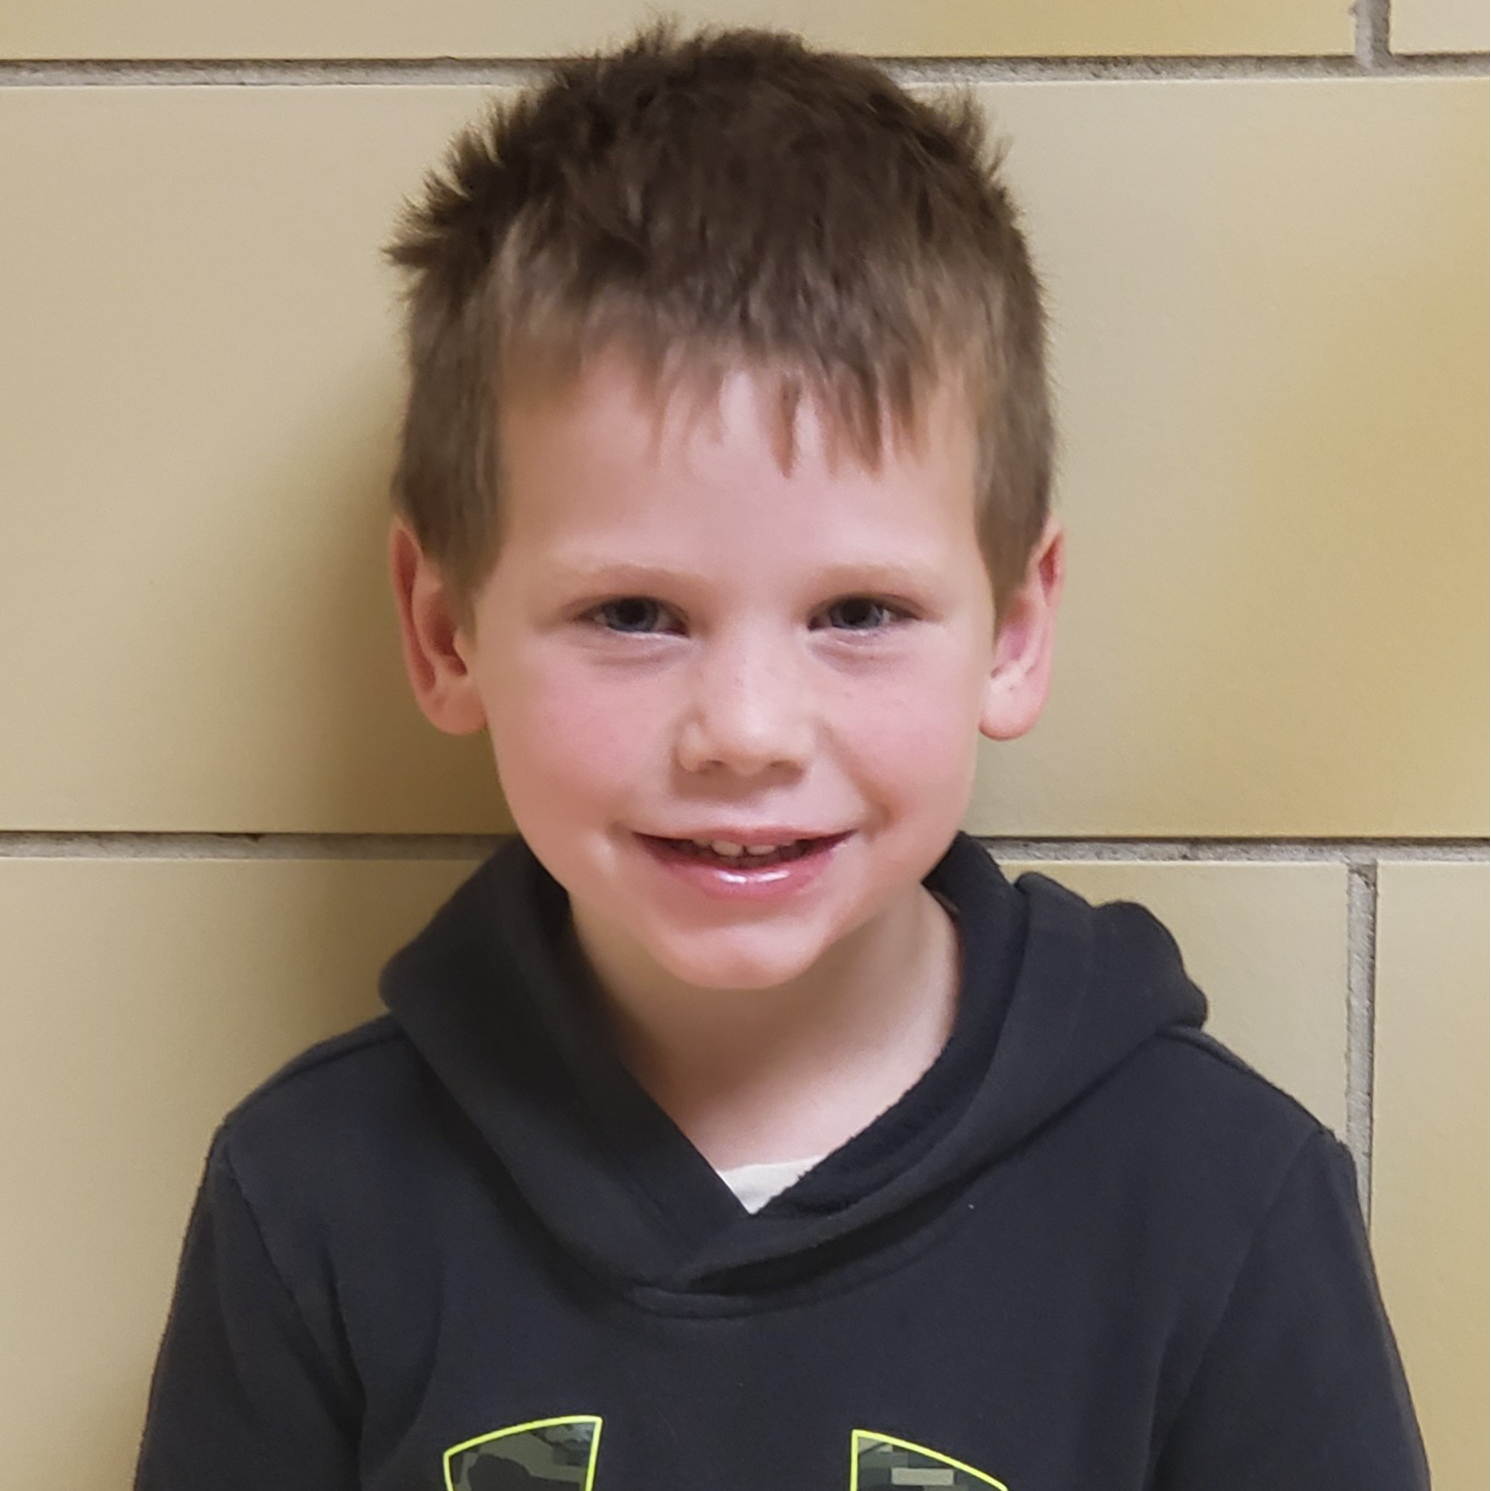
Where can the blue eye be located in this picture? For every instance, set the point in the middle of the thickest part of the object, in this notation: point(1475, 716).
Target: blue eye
point(641, 616)
point(633, 611)
point(862, 606)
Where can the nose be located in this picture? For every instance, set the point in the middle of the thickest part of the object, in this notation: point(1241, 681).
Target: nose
point(749, 708)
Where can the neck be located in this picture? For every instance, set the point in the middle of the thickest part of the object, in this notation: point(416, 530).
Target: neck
point(755, 1075)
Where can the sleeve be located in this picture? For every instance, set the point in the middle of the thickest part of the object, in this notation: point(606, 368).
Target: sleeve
point(1300, 1387)
point(241, 1398)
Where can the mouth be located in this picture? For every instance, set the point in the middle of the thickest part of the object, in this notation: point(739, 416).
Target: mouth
point(743, 859)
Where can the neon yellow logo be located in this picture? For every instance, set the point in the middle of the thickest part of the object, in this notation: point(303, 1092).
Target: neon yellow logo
point(544, 1455)
point(550, 1454)
point(877, 1462)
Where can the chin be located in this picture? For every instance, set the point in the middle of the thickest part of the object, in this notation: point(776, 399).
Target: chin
point(731, 968)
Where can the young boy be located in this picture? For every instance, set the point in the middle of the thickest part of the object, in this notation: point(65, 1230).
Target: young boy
point(738, 1126)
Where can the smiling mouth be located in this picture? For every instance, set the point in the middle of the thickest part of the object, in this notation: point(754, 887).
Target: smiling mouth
point(688, 849)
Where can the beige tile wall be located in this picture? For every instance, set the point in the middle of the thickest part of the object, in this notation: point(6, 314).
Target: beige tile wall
point(1272, 380)
point(1268, 429)
point(1270, 313)
point(200, 392)
point(472, 28)
point(1440, 26)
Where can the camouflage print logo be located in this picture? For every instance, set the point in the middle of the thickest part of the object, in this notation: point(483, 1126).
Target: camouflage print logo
point(878, 1463)
point(547, 1455)
point(550, 1454)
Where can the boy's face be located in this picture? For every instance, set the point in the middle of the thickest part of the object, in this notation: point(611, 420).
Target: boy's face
point(679, 638)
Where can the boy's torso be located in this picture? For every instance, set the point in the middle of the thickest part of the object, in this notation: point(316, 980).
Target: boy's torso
point(1041, 1323)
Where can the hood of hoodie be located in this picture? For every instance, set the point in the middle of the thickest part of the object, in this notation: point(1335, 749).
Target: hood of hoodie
point(497, 999)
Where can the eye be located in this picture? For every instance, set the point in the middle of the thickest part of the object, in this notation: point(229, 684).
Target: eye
point(862, 609)
point(631, 612)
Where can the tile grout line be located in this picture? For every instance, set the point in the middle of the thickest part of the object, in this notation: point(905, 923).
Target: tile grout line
point(1373, 20)
point(168, 845)
point(1237, 850)
point(1374, 34)
point(1370, 58)
point(1361, 996)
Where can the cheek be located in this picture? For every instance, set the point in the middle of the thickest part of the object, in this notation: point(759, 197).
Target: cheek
point(922, 722)
point(557, 730)
point(919, 757)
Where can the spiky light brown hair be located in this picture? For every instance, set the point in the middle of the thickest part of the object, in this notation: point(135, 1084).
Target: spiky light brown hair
point(729, 197)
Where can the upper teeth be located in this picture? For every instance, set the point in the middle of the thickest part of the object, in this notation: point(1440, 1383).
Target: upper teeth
point(723, 846)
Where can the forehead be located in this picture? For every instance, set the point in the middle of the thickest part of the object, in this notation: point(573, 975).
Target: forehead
point(722, 460)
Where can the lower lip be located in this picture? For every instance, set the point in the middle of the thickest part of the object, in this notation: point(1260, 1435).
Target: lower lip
point(738, 882)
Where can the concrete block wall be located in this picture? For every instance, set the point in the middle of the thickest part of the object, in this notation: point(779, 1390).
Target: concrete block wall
point(1263, 225)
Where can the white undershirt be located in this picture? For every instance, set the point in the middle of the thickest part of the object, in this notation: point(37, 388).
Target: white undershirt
point(755, 1185)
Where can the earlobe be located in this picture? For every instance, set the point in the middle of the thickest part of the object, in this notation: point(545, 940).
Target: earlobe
point(1020, 679)
point(438, 673)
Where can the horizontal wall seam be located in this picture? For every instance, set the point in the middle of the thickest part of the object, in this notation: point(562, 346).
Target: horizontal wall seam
point(502, 72)
point(49, 844)
point(1244, 851)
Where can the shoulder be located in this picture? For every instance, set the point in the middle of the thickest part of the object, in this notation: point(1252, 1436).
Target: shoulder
point(343, 1102)
point(1210, 1145)
point(329, 1068)
point(348, 1156)
point(1199, 1071)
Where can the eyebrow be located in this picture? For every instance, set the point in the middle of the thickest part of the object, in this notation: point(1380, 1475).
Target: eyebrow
point(872, 574)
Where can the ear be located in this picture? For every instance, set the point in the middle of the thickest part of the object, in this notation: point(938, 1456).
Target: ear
point(1021, 676)
point(434, 650)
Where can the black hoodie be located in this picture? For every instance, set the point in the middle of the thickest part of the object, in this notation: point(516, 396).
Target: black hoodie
point(460, 1249)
